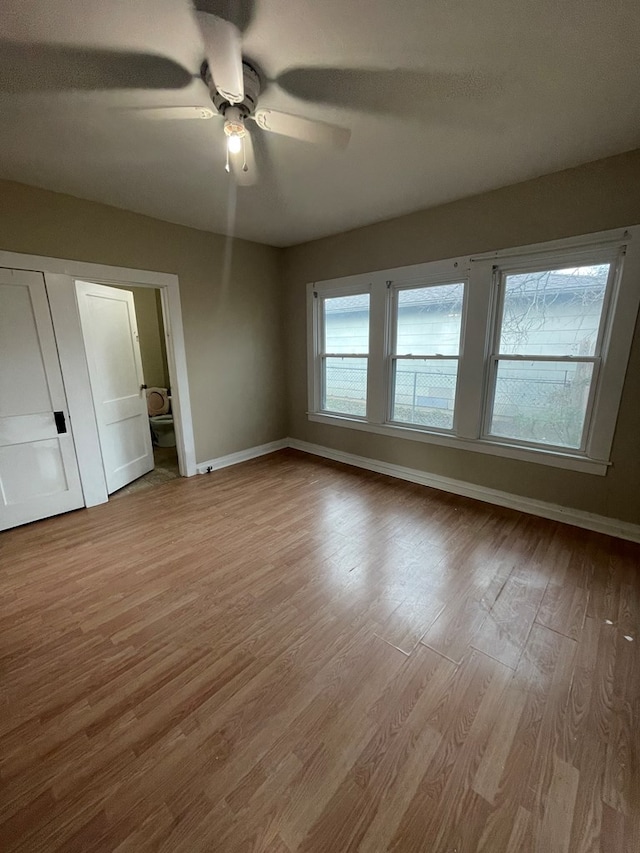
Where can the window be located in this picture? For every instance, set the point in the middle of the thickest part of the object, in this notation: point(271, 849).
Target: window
point(345, 354)
point(548, 354)
point(427, 323)
point(520, 353)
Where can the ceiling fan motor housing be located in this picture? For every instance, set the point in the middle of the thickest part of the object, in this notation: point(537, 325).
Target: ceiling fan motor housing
point(252, 88)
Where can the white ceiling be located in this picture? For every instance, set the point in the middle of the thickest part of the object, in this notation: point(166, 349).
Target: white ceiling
point(500, 92)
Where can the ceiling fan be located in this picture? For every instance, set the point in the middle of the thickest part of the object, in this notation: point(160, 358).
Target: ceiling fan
point(234, 84)
point(234, 87)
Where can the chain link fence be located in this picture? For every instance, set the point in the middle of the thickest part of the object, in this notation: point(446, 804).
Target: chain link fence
point(346, 387)
point(550, 410)
point(425, 397)
point(528, 407)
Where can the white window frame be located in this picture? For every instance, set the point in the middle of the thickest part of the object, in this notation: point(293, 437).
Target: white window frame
point(395, 287)
point(606, 255)
point(481, 275)
point(322, 354)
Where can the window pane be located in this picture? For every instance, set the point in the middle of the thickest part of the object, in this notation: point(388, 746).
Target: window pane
point(554, 312)
point(346, 324)
point(429, 320)
point(541, 401)
point(345, 386)
point(424, 392)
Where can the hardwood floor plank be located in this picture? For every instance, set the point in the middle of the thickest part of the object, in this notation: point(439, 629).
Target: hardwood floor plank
point(555, 831)
point(621, 779)
point(400, 792)
point(588, 821)
point(454, 630)
point(147, 835)
point(563, 609)
point(489, 774)
point(504, 632)
point(508, 827)
point(406, 626)
point(519, 840)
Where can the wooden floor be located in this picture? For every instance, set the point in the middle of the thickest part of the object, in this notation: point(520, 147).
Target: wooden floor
point(291, 655)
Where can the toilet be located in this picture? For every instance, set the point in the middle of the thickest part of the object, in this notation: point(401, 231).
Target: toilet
point(160, 417)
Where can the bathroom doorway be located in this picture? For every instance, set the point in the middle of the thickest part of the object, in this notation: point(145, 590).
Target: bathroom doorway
point(155, 367)
point(125, 342)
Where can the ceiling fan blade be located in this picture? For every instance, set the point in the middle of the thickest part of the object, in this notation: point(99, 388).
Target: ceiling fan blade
point(223, 50)
point(244, 177)
point(173, 113)
point(304, 129)
point(412, 92)
point(238, 12)
point(54, 67)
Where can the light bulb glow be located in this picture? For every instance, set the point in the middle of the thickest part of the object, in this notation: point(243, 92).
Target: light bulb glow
point(234, 144)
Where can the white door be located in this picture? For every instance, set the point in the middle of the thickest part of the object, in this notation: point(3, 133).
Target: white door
point(110, 333)
point(38, 467)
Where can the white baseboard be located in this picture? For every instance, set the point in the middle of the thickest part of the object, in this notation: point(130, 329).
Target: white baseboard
point(555, 512)
point(241, 456)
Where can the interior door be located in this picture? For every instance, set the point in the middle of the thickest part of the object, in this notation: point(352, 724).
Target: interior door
point(110, 332)
point(38, 467)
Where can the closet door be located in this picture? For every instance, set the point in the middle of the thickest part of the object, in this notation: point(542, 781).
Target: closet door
point(38, 468)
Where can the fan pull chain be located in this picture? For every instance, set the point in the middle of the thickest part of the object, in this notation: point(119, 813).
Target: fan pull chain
point(227, 165)
point(245, 168)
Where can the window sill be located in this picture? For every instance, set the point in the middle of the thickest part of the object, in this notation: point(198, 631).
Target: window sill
point(553, 458)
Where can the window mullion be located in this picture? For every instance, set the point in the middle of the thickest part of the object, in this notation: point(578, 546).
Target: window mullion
point(378, 348)
point(474, 351)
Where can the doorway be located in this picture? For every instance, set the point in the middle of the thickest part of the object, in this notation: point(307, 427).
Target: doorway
point(124, 335)
point(155, 370)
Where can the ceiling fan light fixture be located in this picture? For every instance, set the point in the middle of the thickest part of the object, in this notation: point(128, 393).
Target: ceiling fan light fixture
point(234, 129)
point(236, 134)
point(234, 143)
point(234, 123)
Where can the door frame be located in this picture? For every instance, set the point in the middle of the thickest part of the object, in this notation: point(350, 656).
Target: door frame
point(60, 276)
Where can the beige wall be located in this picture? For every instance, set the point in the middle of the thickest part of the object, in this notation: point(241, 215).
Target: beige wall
point(232, 322)
point(595, 197)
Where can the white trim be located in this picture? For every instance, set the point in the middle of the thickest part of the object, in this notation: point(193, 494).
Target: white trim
point(474, 352)
point(412, 275)
point(555, 512)
point(79, 269)
point(242, 456)
point(550, 247)
point(59, 275)
point(313, 346)
point(553, 458)
point(75, 375)
point(623, 311)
